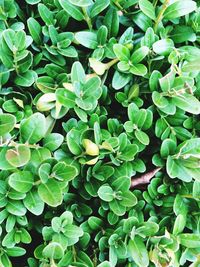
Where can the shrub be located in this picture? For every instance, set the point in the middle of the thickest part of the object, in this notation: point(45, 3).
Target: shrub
point(99, 133)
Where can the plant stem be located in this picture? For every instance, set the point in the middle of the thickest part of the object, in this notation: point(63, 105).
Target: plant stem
point(37, 182)
point(171, 128)
point(189, 196)
point(145, 178)
point(87, 18)
point(6, 23)
point(112, 62)
point(160, 14)
point(74, 253)
point(117, 4)
point(155, 3)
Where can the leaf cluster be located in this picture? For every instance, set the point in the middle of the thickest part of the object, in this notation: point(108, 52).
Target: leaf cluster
point(95, 97)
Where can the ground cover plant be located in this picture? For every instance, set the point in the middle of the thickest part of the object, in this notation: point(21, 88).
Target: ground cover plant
point(99, 133)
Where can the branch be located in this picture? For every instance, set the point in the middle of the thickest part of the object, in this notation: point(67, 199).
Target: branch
point(160, 15)
point(144, 179)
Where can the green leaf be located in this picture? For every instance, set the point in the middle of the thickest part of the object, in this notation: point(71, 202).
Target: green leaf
point(18, 156)
point(128, 199)
point(121, 184)
point(50, 193)
point(9, 36)
point(122, 52)
point(33, 129)
point(142, 137)
point(72, 231)
point(159, 100)
point(32, 2)
point(92, 88)
point(190, 148)
point(73, 138)
point(106, 193)
point(35, 30)
point(102, 35)
point(175, 169)
point(117, 208)
point(168, 147)
point(148, 229)
point(81, 3)
point(33, 203)
point(179, 9)
point(139, 54)
point(154, 80)
point(179, 224)
point(65, 97)
point(15, 252)
point(98, 7)
point(187, 102)
point(26, 79)
point(111, 21)
point(64, 172)
point(163, 47)
point(87, 39)
point(16, 208)
point(44, 172)
point(68, 52)
point(191, 66)
point(46, 14)
point(138, 252)
point(72, 10)
point(53, 141)
point(196, 189)
point(182, 33)
point(147, 8)
point(142, 21)
point(120, 80)
point(21, 181)
point(7, 123)
point(53, 251)
point(138, 69)
point(78, 73)
point(189, 240)
point(95, 223)
point(4, 164)
point(104, 264)
point(128, 154)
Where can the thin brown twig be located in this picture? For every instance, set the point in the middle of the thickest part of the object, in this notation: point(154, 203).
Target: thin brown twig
point(144, 179)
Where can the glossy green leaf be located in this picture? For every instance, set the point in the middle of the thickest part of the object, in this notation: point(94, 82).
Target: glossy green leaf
point(33, 129)
point(21, 181)
point(138, 251)
point(87, 39)
point(64, 172)
point(7, 123)
point(18, 156)
point(163, 47)
point(187, 102)
point(106, 193)
point(35, 30)
point(138, 70)
point(147, 8)
point(53, 251)
point(179, 8)
point(98, 7)
point(33, 203)
point(81, 3)
point(121, 52)
point(189, 240)
point(72, 10)
point(50, 193)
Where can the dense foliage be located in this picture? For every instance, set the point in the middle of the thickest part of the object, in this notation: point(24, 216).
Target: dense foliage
point(99, 133)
